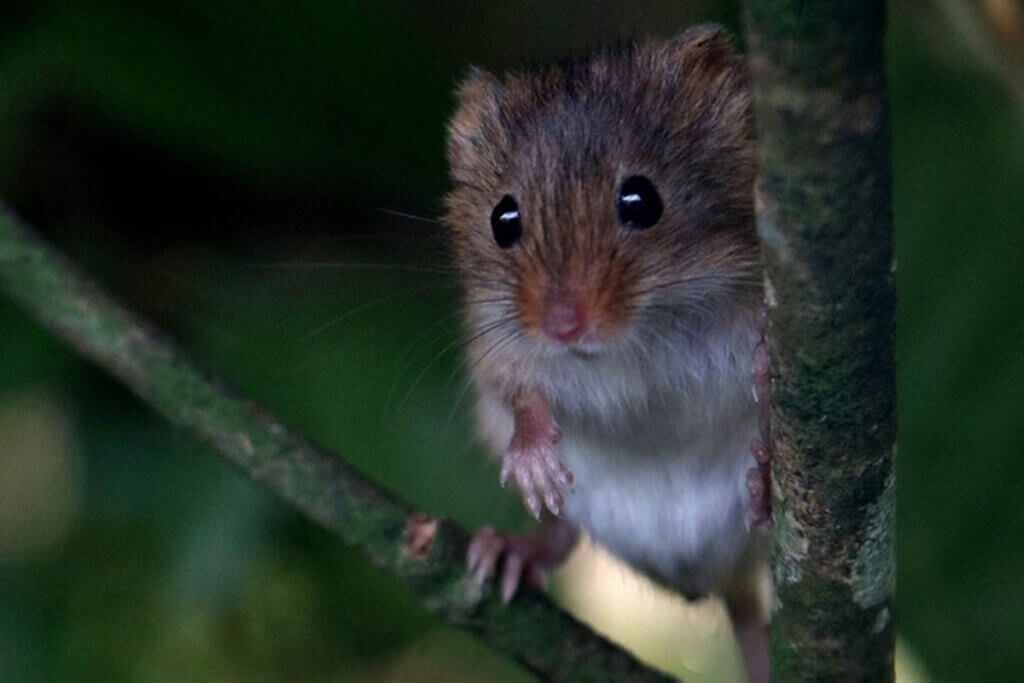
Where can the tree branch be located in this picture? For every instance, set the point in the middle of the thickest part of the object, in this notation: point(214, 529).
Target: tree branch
point(427, 553)
point(824, 216)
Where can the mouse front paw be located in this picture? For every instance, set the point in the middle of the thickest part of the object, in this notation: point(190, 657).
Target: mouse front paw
point(532, 459)
point(539, 474)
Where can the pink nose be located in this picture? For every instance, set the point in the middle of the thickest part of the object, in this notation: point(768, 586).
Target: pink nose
point(564, 321)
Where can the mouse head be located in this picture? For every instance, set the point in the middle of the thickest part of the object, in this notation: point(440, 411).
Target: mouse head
point(596, 197)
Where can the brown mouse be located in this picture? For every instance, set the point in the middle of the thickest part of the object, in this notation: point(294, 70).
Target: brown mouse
point(603, 224)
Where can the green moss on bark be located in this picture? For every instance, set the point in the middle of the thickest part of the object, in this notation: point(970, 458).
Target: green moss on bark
point(824, 196)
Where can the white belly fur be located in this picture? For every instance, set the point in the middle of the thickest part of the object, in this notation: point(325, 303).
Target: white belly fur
point(676, 513)
point(659, 482)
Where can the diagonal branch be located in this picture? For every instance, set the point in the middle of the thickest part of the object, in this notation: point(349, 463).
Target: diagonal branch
point(423, 551)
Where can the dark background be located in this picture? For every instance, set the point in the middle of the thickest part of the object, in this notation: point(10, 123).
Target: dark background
point(241, 174)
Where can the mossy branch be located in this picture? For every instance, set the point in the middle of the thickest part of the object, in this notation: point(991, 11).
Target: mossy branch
point(425, 552)
point(824, 216)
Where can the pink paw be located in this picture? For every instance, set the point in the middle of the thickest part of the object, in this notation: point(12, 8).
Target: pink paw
point(538, 471)
point(759, 484)
point(759, 477)
point(523, 558)
point(760, 368)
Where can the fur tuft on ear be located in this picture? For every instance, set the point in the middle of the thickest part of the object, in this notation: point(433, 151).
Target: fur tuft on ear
point(701, 47)
point(478, 87)
point(476, 116)
point(701, 62)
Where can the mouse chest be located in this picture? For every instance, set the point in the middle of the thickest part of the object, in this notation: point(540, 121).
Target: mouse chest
point(667, 497)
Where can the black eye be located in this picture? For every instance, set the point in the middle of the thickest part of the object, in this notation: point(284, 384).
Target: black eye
point(505, 222)
point(638, 203)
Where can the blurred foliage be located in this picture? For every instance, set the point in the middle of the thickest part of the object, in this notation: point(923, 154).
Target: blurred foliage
point(222, 167)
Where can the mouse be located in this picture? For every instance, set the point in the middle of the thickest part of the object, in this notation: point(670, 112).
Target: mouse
point(603, 227)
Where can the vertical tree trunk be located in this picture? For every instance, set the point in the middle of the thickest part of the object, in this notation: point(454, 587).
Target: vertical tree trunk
point(824, 216)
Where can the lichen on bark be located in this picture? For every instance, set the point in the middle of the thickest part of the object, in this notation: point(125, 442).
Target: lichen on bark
point(824, 216)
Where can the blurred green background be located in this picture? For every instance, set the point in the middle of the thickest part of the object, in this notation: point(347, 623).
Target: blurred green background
point(260, 179)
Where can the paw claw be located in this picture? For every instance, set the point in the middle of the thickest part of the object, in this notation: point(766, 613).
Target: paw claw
point(755, 483)
point(473, 558)
point(533, 505)
point(538, 474)
point(513, 560)
point(477, 547)
point(511, 576)
point(760, 452)
point(485, 568)
point(553, 499)
point(759, 488)
point(565, 476)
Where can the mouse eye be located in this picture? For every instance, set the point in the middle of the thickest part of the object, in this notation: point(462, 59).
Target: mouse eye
point(505, 222)
point(638, 203)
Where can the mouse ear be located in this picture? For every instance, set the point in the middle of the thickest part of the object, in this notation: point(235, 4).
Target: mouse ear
point(474, 119)
point(701, 47)
point(477, 88)
point(710, 77)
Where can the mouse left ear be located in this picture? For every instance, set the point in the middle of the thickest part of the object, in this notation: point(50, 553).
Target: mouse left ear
point(473, 121)
point(477, 88)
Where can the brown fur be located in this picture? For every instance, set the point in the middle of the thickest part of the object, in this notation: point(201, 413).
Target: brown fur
point(561, 140)
point(669, 310)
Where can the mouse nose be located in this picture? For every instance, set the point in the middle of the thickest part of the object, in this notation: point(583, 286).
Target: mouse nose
point(565, 321)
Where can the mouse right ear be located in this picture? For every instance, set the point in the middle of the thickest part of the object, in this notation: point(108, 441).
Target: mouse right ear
point(700, 48)
point(474, 123)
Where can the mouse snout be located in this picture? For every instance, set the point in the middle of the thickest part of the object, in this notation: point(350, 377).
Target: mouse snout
point(565, 318)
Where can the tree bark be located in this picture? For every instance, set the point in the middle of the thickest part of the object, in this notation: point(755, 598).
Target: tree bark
point(427, 553)
point(824, 217)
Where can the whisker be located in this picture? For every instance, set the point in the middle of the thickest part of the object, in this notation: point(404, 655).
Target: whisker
point(495, 300)
point(419, 377)
point(468, 382)
point(456, 343)
point(342, 265)
point(463, 390)
point(410, 216)
point(716, 277)
point(366, 306)
point(487, 329)
point(486, 284)
point(417, 349)
point(444, 319)
point(493, 347)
